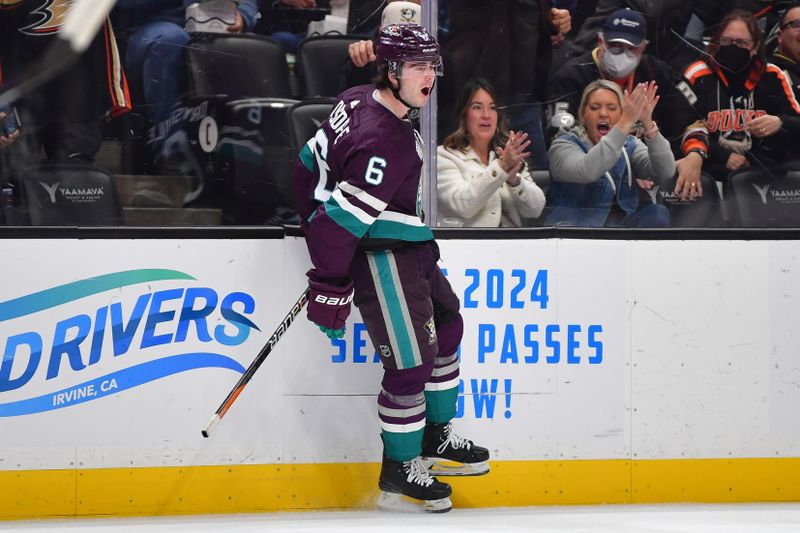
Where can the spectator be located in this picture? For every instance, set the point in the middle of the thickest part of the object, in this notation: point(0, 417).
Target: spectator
point(664, 19)
point(508, 42)
point(787, 56)
point(359, 69)
point(750, 113)
point(288, 27)
point(561, 18)
point(593, 165)
point(583, 10)
point(482, 177)
point(155, 35)
point(9, 130)
point(668, 21)
point(62, 120)
point(562, 15)
point(287, 20)
point(619, 56)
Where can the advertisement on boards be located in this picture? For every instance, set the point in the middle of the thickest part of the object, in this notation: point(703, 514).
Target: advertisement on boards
point(116, 353)
point(543, 357)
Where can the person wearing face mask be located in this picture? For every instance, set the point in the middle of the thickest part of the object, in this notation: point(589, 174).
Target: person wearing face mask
point(594, 164)
point(619, 57)
point(751, 117)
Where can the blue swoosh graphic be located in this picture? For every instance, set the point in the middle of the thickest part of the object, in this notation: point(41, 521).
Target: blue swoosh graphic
point(243, 321)
point(55, 296)
point(125, 379)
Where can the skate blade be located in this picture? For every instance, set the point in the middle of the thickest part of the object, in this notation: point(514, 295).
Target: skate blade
point(399, 503)
point(440, 467)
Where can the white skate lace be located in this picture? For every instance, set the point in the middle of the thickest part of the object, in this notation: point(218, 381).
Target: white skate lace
point(453, 440)
point(417, 473)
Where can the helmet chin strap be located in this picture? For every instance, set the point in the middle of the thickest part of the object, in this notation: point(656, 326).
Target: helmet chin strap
point(396, 93)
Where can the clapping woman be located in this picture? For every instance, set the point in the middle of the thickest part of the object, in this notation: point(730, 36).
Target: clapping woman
point(594, 167)
point(482, 176)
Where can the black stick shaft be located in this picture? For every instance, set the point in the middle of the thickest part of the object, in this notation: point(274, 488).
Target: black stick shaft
point(251, 370)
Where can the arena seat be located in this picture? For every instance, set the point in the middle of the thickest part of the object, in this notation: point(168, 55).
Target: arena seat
point(542, 178)
point(704, 212)
point(320, 59)
point(254, 157)
point(70, 195)
point(236, 66)
point(767, 198)
point(305, 117)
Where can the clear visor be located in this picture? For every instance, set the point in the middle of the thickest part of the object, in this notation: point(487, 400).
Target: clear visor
point(417, 68)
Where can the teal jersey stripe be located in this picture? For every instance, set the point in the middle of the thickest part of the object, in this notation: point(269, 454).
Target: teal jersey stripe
point(345, 219)
point(392, 299)
point(385, 229)
point(307, 158)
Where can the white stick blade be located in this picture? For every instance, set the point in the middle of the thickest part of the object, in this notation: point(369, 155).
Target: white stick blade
point(211, 425)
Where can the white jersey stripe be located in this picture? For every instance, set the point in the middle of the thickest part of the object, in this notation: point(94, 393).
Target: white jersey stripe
point(403, 428)
point(376, 279)
point(443, 371)
point(321, 194)
point(401, 413)
point(446, 360)
point(357, 212)
point(362, 196)
point(445, 385)
point(392, 216)
point(409, 324)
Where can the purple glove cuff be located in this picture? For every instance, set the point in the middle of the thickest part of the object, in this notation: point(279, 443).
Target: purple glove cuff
point(329, 305)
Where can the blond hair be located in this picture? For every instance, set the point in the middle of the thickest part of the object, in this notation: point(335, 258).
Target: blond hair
point(595, 86)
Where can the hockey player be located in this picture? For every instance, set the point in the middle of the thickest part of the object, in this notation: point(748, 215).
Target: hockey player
point(357, 186)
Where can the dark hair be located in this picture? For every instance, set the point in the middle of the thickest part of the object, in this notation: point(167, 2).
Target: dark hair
point(459, 139)
point(791, 6)
point(752, 25)
point(381, 78)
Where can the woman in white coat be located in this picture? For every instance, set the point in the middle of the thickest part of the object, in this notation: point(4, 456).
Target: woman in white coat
point(482, 180)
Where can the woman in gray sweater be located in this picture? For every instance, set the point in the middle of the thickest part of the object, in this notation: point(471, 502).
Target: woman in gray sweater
point(595, 166)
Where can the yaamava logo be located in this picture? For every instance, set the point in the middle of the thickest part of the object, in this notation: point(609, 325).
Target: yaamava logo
point(170, 316)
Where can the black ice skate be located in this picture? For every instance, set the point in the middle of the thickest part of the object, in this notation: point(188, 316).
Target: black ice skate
point(408, 486)
point(446, 454)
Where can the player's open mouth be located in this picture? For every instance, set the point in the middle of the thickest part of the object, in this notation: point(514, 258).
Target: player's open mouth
point(603, 128)
point(426, 91)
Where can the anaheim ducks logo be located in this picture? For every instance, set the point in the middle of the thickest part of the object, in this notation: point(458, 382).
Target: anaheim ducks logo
point(52, 15)
point(407, 14)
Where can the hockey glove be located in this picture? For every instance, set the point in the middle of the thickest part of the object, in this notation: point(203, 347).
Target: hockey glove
point(329, 306)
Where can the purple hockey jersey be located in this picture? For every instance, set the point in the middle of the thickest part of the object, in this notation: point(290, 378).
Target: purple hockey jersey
point(358, 178)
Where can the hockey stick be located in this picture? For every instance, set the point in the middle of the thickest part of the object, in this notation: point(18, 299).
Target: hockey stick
point(80, 26)
point(263, 354)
